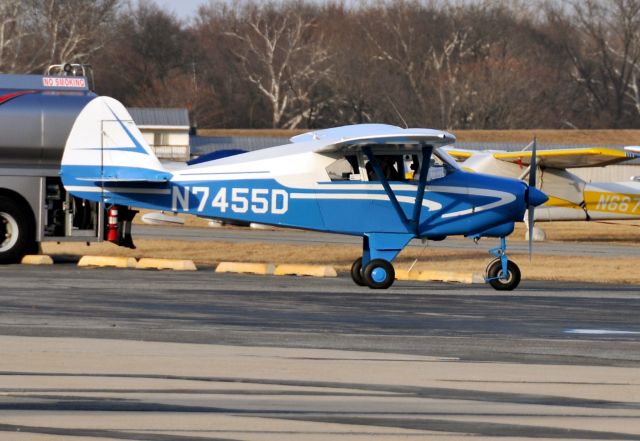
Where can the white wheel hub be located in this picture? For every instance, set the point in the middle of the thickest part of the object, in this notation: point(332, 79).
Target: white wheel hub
point(9, 232)
point(508, 279)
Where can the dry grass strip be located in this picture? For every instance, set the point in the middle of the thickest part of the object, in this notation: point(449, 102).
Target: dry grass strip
point(543, 267)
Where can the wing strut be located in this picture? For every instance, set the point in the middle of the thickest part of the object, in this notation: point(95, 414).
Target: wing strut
point(387, 187)
point(427, 150)
point(412, 224)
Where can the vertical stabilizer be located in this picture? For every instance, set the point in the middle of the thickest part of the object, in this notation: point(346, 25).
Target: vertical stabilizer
point(105, 146)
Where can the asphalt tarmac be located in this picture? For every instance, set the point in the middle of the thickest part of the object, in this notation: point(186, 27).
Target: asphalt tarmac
point(148, 355)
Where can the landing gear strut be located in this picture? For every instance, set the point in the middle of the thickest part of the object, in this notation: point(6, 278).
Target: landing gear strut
point(502, 274)
point(374, 268)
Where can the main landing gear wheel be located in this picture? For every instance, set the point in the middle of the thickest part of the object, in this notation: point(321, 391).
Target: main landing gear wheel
point(16, 231)
point(496, 279)
point(379, 274)
point(356, 272)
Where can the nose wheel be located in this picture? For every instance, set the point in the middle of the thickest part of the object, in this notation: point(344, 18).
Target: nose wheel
point(502, 274)
point(501, 281)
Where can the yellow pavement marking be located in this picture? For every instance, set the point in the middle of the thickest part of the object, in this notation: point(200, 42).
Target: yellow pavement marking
point(172, 264)
point(246, 267)
point(110, 261)
point(305, 270)
point(37, 260)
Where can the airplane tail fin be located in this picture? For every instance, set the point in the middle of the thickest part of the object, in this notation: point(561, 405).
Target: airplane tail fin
point(105, 152)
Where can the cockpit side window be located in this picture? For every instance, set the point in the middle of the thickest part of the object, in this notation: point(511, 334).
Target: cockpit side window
point(392, 166)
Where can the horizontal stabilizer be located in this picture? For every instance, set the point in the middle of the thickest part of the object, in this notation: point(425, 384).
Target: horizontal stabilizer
point(142, 176)
point(122, 180)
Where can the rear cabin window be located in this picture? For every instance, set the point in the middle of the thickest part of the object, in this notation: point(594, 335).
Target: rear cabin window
point(344, 169)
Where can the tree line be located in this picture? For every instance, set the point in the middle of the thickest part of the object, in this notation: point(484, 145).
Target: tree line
point(307, 64)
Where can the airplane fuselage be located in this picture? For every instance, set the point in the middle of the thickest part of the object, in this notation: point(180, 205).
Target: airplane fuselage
point(460, 203)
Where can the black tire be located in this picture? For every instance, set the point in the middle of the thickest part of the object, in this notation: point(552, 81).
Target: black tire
point(17, 236)
point(494, 269)
point(356, 272)
point(379, 274)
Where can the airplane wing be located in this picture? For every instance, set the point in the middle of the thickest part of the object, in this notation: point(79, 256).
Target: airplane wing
point(569, 158)
point(557, 158)
point(376, 136)
point(460, 154)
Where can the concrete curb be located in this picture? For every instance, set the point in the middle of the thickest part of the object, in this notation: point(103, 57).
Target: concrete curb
point(107, 261)
point(246, 268)
point(439, 276)
point(305, 270)
point(172, 264)
point(37, 259)
point(407, 275)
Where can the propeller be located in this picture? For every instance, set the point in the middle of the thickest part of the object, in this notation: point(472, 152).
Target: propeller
point(532, 184)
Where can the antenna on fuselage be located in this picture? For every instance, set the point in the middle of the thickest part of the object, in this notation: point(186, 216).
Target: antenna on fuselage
point(406, 126)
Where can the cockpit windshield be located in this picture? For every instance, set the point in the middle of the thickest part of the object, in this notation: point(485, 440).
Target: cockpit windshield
point(440, 165)
point(446, 158)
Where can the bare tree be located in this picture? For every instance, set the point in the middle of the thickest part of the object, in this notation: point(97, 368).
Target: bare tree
point(428, 48)
point(282, 54)
point(36, 33)
point(606, 64)
point(13, 33)
point(72, 29)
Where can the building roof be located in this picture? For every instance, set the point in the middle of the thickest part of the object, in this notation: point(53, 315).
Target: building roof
point(201, 145)
point(159, 117)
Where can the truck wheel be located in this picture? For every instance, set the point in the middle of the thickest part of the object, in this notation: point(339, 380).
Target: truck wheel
point(16, 231)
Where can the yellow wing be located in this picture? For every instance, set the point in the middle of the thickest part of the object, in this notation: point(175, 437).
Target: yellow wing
point(569, 158)
point(458, 154)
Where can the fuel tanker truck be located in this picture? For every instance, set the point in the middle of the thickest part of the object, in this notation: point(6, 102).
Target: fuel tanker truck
point(36, 116)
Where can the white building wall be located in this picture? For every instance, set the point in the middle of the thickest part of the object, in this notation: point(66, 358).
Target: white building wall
point(148, 136)
point(180, 138)
point(168, 143)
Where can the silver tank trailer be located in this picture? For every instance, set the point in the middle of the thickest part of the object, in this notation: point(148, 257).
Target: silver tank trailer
point(36, 116)
point(34, 125)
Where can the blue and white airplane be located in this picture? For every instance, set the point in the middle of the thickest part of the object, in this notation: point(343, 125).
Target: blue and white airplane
point(384, 183)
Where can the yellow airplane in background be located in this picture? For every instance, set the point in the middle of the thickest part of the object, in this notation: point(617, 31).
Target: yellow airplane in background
point(570, 197)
